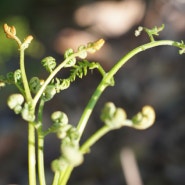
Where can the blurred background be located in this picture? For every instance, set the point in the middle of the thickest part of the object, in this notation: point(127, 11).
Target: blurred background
point(154, 77)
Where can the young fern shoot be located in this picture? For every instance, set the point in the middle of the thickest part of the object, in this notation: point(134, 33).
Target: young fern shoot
point(35, 92)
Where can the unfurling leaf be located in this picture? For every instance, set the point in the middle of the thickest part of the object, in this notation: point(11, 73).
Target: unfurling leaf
point(144, 119)
point(49, 63)
point(34, 84)
point(59, 117)
point(112, 116)
point(49, 93)
point(10, 31)
point(69, 56)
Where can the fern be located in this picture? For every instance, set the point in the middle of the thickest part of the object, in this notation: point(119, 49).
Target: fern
point(80, 69)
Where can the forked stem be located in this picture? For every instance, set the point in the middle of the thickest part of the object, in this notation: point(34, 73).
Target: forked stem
point(106, 81)
point(31, 128)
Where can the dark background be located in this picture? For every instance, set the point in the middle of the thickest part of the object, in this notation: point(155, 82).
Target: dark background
point(154, 77)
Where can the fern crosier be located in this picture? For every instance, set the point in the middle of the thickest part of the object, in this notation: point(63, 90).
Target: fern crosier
point(80, 69)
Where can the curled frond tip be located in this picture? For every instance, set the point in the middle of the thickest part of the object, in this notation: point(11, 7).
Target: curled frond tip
point(10, 31)
point(144, 119)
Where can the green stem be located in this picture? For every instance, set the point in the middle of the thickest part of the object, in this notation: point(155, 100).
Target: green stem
point(56, 178)
point(100, 68)
point(52, 75)
point(41, 172)
point(82, 123)
point(137, 50)
point(65, 176)
point(31, 129)
point(84, 149)
point(62, 173)
point(31, 154)
point(41, 168)
point(90, 106)
point(24, 77)
point(94, 138)
point(109, 75)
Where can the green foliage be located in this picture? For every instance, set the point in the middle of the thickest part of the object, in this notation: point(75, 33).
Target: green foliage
point(49, 63)
point(35, 92)
point(151, 32)
point(80, 69)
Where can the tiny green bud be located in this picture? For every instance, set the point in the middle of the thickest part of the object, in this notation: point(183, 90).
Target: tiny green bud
point(68, 53)
point(62, 131)
point(118, 119)
point(108, 111)
point(73, 134)
point(112, 116)
point(15, 100)
point(49, 92)
point(138, 31)
point(34, 84)
point(182, 51)
point(18, 109)
point(17, 75)
point(59, 117)
point(59, 164)
point(83, 52)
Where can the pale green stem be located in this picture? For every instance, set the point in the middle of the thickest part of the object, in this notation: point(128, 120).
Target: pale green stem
point(137, 50)
point(66, 176)
point(90, 106)
point(62, 173)
point(41, 160)
point(109, 75)
point(84, 149)
point(31, 129)
point(94, 138)
point(24, 77)
point(31, 154)
point(41, 171)
point(56, 178)
point(52, 75)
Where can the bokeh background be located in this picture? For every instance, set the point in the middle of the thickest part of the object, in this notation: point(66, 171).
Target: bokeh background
point(154, 77)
